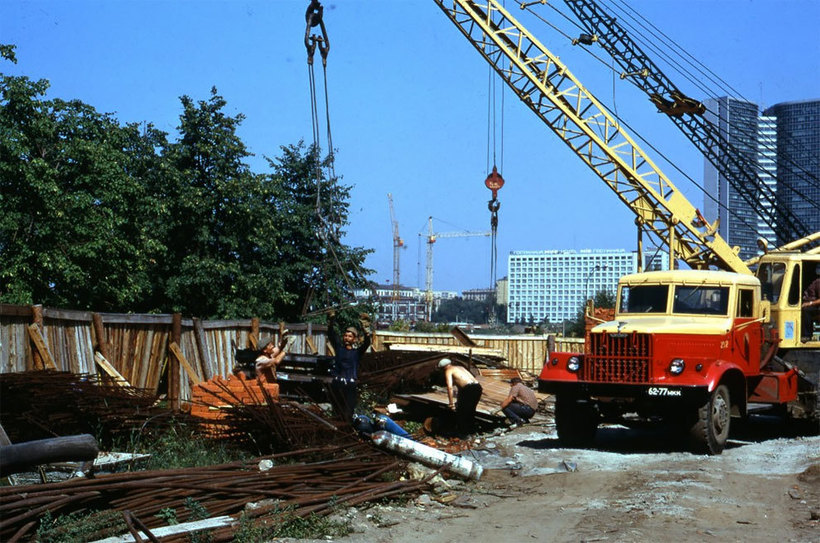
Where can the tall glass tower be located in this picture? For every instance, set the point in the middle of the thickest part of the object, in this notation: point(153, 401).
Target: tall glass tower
point(737, 120)
point(798, 162)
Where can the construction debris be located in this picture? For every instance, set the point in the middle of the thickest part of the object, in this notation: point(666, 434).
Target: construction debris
point(349, 474)
point(20, 457)
point(428, 455)
point(43, 404)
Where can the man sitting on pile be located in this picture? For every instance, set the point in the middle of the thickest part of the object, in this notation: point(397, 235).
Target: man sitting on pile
point(271, 355)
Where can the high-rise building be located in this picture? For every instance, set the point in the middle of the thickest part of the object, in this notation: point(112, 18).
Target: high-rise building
point(798, 162)
point(552, 286)
point(783, 145)
point(737, 121)
point(767, 162)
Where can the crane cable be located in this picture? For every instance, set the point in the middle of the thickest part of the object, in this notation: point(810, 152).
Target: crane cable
point(634, 131)
point(494, 182)
point(698, 80)
point(329, 229)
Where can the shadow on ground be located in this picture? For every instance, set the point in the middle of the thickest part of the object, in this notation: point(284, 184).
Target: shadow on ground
point(664, 439)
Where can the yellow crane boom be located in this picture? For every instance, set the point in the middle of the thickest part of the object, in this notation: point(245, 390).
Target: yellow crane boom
point(558, 98)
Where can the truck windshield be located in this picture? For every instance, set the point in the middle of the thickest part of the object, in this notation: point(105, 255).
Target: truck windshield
point(701, 300)
point(643, 298)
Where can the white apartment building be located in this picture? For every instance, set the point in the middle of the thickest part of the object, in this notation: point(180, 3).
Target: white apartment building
point(553, 285)
point(411, 304)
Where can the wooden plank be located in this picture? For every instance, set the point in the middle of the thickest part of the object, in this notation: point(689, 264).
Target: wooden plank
point(106, 366)
point(184, 528)
point(67, 314)
point(501, 374)
point(202, 349)
point(311, 345)
point(11, 310)
point(129, 318)
point(462, 337)
point(478, 351)
point(40, 345)
point(220, 325)
point(192, 375)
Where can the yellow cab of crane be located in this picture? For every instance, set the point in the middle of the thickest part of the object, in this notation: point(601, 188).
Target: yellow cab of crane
point(784, 277)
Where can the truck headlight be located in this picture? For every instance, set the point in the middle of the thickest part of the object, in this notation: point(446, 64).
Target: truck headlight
point(574, 364)
point(676, 366)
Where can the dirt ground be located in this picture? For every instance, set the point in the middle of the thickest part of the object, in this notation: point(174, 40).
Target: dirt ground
point(635, 485)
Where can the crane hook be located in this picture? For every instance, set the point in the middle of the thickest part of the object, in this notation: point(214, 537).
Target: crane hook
point(313, 17)
point(494, 182)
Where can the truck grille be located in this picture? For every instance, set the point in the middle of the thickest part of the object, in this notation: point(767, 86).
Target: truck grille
point(618, 358)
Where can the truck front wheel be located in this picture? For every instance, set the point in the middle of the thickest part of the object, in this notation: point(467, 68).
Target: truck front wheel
point(711, 430)
point(576, 421)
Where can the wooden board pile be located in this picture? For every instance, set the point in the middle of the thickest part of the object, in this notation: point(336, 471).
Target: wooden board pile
point(213, 399)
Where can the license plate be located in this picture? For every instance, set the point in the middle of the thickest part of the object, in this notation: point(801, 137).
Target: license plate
point(663, 391)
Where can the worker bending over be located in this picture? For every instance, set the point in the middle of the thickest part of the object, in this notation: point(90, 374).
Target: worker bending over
point(469, 393)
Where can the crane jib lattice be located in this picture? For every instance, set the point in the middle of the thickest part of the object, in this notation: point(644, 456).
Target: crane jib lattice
point(551, 91)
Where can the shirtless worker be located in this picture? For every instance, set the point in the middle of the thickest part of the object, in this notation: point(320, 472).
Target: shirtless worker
point(469, 393)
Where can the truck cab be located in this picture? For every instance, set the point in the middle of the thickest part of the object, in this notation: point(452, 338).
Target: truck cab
point(688, 347)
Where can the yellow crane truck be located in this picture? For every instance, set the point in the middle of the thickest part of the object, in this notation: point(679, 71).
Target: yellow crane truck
point(691, 347)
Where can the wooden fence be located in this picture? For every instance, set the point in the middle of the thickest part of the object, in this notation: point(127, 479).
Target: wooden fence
point(145, 349)
point(138, 347)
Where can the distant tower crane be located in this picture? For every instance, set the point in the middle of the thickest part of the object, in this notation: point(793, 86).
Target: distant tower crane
point(431, 239)
point(398, 243)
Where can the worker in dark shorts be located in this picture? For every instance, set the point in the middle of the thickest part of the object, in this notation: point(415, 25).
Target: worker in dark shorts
point(469, 393)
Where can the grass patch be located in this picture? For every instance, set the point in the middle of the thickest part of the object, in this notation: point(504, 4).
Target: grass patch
point(286, 524)
point(181, 446)
point(80, 527)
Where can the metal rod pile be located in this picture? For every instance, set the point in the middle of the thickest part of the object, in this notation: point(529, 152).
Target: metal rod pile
point(349, 474)
point(42, 404)
point(269, 425)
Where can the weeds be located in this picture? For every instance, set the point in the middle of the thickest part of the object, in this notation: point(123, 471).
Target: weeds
point(286, 524)
point(80, 527)
point(181, 446)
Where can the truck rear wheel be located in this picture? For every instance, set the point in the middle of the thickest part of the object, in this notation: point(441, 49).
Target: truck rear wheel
point(711, 430)
point(576, 421)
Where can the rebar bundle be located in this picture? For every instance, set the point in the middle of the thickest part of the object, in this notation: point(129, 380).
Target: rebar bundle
point(350, 474)
point(42, 404)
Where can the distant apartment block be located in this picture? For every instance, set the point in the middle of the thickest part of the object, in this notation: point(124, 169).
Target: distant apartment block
point(502, 291)
point(477, 294)
point(783, 144)
point(553, 285)
point(409, 305)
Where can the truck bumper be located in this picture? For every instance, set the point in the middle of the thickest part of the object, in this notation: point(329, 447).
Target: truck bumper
point(643, 392)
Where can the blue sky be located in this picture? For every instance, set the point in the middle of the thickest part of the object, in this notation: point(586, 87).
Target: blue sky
point(408, 105)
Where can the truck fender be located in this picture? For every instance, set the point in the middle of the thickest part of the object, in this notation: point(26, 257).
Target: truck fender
point(730, 374)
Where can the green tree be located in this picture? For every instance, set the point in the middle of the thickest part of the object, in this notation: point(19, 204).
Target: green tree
point(244, 244)
point(605, 299)
point(312, 209)
point(460, 310)
point(76, 215)
point(221, 237)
